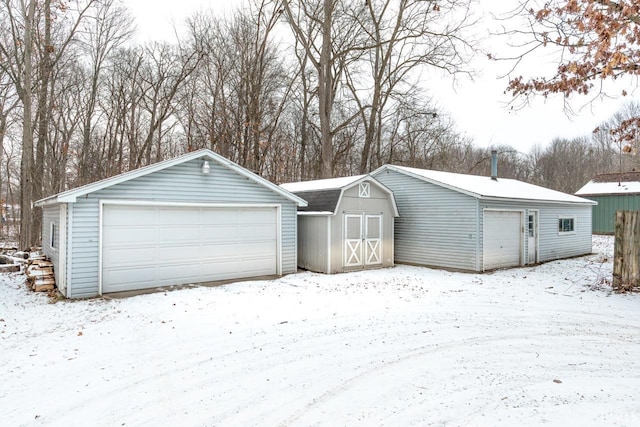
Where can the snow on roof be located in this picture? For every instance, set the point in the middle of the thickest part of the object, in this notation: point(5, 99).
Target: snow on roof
point(485, 187)
point(320, 184)
point(600, 188)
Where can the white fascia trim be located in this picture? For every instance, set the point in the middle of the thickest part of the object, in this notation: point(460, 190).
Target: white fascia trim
point(319, 213)
point(554, 202)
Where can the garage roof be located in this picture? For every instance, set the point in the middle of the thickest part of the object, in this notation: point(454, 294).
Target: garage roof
point(70, 196)
point(612, 183)
point(483, 187)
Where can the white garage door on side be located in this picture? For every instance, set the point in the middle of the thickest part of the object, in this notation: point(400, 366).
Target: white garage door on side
point(150, 246)
point(502, 233)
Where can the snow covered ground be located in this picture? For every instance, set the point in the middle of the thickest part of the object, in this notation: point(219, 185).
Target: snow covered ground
point(402, 346)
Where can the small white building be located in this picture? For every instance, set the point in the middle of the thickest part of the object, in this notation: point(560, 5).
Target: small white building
point(195, 218)
point(479, 223)
point(347, 225)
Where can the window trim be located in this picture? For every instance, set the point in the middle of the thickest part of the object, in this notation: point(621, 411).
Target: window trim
point(574, 221)
point(364, 190)
point(53, 242)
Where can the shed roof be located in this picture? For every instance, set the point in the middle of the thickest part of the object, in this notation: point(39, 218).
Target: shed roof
point(323, 195)
point(70, 196)
point(483, 187)
point(320, 200)
point(612, 184)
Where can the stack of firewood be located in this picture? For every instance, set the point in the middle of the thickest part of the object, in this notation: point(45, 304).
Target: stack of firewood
point(40, 275)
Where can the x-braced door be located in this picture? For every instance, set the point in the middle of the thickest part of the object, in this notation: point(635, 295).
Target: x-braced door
point(352, 240)
point(373, 239)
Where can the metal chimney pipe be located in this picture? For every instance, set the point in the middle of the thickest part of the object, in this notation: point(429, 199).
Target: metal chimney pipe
point(494, 165)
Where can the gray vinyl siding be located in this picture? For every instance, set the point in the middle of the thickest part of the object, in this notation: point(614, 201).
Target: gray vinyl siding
point(183, 183)
point(312, 242)
point(551, 244)
point(51, 214)
point(437, 226)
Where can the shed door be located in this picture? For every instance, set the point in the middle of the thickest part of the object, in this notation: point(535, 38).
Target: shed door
point(352, 240)
point(502, 239)
point(373, 239)
point(150, 246)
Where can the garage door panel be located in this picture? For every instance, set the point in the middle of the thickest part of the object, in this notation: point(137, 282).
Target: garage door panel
point(182, 252)
point(222, 217)
point(176, 271)
point(123, 215)
point(257, 231)
point(128, 256)
point(146, 247)
point(502, 239)
point(257, 217)
point(173, 234)
point(140, 275)
point(177, 216)
point(120, 235)
point(218, 233)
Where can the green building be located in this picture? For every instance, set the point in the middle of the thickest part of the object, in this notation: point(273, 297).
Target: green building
point(613, 192)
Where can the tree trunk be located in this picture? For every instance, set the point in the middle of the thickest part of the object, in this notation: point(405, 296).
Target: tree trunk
point(325, 86)
point(26, 161)
point(626, 262)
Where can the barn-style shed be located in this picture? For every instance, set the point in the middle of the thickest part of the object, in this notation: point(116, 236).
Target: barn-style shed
point(195, 218)
point(347, 225)
point(613, 192)
point(478, 223)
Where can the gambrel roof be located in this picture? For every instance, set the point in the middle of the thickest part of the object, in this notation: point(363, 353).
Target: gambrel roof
point(324, 195)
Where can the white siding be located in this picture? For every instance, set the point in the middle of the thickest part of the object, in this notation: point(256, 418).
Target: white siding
point(437, 226)
point(180, 183)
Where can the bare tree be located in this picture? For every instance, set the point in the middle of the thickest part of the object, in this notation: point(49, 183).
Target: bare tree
point(403, 38)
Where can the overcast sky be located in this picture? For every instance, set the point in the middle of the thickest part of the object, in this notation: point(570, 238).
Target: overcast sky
point(479, 106)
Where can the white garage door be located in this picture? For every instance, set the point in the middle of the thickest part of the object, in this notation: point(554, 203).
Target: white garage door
point(150, 246)
point(502, 239)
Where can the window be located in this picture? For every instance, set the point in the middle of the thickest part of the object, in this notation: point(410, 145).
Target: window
point(532, 225)
point(52, 235)
point(365, 190)
point(566, 225)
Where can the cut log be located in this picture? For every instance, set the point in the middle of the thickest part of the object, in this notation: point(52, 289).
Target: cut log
point(44, 281)
point(43, 263)
point(40, 272)
point(43, 288)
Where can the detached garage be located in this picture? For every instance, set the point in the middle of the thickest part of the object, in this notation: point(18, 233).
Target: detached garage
point(479, 223)
point(196, 218)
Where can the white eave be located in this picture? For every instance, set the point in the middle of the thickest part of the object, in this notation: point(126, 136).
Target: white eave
point(70, 196)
